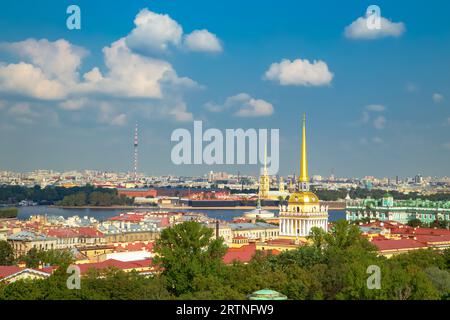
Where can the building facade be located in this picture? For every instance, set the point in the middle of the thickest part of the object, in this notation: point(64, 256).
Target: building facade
point(386, 209)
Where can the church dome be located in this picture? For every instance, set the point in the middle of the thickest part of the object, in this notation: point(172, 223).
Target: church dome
point(305, 197)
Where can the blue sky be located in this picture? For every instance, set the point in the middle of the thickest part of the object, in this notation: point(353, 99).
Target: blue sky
point(379, 107)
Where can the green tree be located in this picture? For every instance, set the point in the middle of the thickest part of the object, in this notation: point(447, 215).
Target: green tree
point(186, 251)
point(440, 279)
point(414, 223)
point(8, 213)
point(344, 234)
point(6, 254)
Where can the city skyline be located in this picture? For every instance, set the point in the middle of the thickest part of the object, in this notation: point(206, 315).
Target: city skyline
point(377, 103)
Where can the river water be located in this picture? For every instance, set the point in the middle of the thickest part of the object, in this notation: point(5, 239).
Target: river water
point(103, 214)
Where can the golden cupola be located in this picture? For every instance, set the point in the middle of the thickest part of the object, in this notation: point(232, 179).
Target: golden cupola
point(302, 195)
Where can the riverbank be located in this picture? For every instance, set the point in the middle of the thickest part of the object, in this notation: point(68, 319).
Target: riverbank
point(333, 205)
point(101, 214)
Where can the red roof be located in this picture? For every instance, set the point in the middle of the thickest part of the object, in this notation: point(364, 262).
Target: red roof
point(6, 271)
point(62, 233)
point(89, 232)
point(391, 244)
point(433, 238)
point(128, 217)
point(134, 246)
point(242, 254)
point(165, 222)
point(112, 263)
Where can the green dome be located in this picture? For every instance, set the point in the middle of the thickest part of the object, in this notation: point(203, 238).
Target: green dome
point(267, 294)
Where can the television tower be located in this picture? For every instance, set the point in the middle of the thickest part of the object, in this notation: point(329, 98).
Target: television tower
point(135, 152)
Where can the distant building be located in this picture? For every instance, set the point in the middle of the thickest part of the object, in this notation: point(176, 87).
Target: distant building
point(137, 192)
point(418, 179)
point(24, 241)
point(10, 274)
point(399, 210)
point(255, 231)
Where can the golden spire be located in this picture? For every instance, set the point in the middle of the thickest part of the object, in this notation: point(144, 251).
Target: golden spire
point(304, 161)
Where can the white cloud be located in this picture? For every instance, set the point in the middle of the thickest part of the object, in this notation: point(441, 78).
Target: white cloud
point(28, 80)
point(130, 74)
point(180, 113)
point(202, 40)
point(243, 105)
point(379, 122)
point(437, 97)
point(119, 120)
point(154, 33)
point(358, 29)
point(134, 72)
point(299, 72)
point(369, 112)
point(58, 60)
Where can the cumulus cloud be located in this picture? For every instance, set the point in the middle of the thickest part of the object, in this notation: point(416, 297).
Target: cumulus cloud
point(154, 33)
point(58, 59)
point(359, 29)
point(299, 72)
point(202, 40)
point(437, 97)
point(131, 75)
point(135, 73)
point(30, 81)
point(243, 105)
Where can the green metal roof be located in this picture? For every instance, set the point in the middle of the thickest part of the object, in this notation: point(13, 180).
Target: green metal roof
point(267, 294)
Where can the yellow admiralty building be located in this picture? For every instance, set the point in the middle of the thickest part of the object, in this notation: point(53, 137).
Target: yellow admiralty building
point(303, 210)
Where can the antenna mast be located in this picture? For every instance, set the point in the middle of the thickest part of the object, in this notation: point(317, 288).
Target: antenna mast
point(135, 152)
